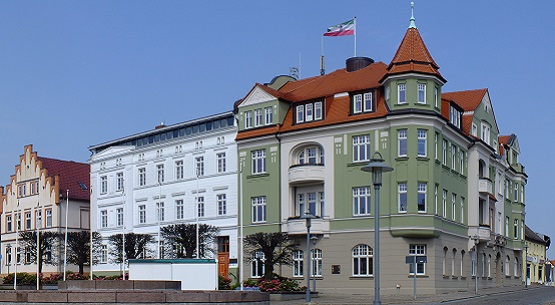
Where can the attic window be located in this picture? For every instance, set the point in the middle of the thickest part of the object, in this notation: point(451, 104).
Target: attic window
point(362, 102)
point(455, 117)
point(308, 112)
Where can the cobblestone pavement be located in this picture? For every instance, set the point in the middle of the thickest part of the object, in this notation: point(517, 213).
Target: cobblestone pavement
point(358, 299)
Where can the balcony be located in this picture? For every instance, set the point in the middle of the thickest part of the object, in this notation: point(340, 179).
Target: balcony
point(297, 226)
point(483, 231)
point(306, 173)
point(485, 186)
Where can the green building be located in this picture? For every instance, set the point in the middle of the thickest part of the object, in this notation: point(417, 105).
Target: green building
point(456, 194)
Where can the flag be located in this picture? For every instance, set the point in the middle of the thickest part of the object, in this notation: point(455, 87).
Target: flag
point(342, 29)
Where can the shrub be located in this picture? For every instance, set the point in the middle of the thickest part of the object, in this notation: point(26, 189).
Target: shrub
point(23, 278)
point(277, 283)
point(53, 279)
point(224, 283)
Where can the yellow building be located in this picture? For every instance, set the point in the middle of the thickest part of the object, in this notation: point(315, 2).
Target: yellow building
point(535, 252)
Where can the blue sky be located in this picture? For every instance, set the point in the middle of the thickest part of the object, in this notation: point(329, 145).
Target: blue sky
point(79, 73)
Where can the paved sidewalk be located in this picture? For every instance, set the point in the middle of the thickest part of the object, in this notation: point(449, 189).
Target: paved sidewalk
point(358, 299)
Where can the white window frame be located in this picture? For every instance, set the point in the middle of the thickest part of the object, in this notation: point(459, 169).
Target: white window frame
point(361, 148)
point(48, 213)
point(298, 263)
point(258, 161)
point(160, 213)
point(160, 173)
point(357, 103)
point(103, 185)
point(309, 112)
point(103, 218)
point(257, 117)
point(199, 166)
point(402, 197)
point(119, 181)
point(221, 162)
point(200, 206)
point(318, 111)
point(362, 261)
point(421, 90)
point(317, 262)
point(142, 176)
point(257, 264)
point(300, 114)
point(422, 135)
point(179, 172)
point(142, 214)
point(179, 210)
point(402, 93)
point(222, 204)
point(417, 250)
point(402, 143)
point(362, 205)
point(422, 194)
point(268, 115)
point(444, 197)
point(248, 119)
point(119, 217)
point(453, 206)
point(259, 209)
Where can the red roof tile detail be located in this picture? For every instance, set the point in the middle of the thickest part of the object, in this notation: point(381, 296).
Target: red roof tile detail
point(413, 56)
point(468, 100)
point(71, 174)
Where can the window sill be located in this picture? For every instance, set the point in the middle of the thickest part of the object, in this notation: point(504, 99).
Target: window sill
point(445, 167)
point(446, 276)
point(402, 158)
point(454, 277)
point(418, 276)
point(366, 277)
point(422, 158)
point(356, 164)
point(508, 276)
point(463, 277)
point(253, 176)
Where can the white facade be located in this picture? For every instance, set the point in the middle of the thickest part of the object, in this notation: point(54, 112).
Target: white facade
point(131, 176)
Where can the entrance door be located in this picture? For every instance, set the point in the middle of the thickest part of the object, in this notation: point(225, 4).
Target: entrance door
point(223, 256)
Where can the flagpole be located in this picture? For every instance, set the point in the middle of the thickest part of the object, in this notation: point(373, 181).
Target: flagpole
point(355, 23)
point(322, 60)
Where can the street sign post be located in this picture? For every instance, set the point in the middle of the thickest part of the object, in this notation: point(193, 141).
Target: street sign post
point(414, 260)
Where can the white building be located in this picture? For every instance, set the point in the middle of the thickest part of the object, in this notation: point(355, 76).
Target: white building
point(136, 177)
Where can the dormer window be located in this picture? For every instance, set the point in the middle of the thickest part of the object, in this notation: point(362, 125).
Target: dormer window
point(257, 117)
point(308, 112)
point(486, 132)
point(362, 102)
point(455, 117)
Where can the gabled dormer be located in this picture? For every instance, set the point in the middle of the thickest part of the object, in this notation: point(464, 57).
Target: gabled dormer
point(260, 108)
point(511, 151)
point(413, 79)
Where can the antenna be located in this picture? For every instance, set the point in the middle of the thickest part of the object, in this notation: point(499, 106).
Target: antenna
point(294, 72)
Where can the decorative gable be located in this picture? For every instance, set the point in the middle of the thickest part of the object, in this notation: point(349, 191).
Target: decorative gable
point(257, 96)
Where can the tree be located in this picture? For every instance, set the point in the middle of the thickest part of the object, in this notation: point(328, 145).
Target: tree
point(136, 246)
point(277, 248)
point(79, 248)
point(48, 240)
point(183, 239)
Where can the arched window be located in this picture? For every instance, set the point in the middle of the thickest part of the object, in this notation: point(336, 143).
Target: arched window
point(453, 262)
point(298, 260)
point(444, 261)
point(489, 265)
point(317, 262)
point(507, 264)
point(309, 155)
point(257, 264)
point(462, 263)
point(363, 260)
point(515, 267)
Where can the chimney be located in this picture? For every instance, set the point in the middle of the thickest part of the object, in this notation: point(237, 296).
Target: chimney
point(160, 126)
point(357, 63)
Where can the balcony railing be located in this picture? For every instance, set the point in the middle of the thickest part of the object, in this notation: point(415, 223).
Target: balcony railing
point(297, 225)
point(485, 186)
point(306, 173)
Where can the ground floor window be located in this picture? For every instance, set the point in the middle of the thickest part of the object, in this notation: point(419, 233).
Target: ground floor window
point(363, 260)
point(298, 260)
point(317, 262)
point(417, 250)
point(257, 264)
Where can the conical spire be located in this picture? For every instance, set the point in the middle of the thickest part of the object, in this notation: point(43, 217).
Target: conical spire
point(413, 55)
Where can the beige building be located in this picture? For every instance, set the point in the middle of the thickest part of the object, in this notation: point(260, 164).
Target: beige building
point(535, 257)
point(40, 192)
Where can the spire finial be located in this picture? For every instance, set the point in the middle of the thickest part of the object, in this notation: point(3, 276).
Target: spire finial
point(412, 20)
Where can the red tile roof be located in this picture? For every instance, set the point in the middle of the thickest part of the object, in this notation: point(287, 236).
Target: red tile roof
point(71, 176)
point(468, 99)
point(413, 56)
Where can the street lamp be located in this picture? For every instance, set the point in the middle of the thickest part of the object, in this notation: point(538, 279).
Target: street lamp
point(16, 245)
point(314, 239)
point(308, 216)
point(377, 167)
point(38, 247)
point(476, 240)
point(526, 267)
